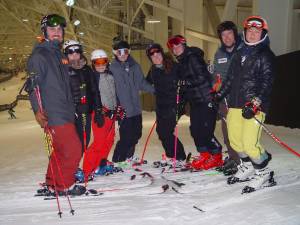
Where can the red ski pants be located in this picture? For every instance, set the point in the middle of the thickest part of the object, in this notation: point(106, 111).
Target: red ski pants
point(65, 157)
point(101, 146)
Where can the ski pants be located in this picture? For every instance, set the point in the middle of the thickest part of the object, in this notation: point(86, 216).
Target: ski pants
point(65, 157)
point(130, 132)
point(203, 123)
point(244, 135)
point(223, 110)
point(166, 123)
point(80, 129)
point(103, 141)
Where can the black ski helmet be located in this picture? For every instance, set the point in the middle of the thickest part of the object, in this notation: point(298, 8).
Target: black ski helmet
point(121, 45)
point(153, 46)
point(52, 20)
point(227, 25)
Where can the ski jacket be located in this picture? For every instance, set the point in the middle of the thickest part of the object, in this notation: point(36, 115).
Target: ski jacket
point(222, 60)
point(83, 84)
point(50, 70)
point(250, 75)
point(106, 86)
point(129, 80)
point(195, 78)
point(165, 85)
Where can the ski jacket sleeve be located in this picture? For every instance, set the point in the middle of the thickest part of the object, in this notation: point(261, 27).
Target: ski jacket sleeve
point(149, 77)
point(95, 91)
point(266, 75)
point(36, 69)
point(144, 84)
point(199, 68)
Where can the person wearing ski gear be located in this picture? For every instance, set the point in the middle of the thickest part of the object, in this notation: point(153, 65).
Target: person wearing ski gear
point(248, 86)
point(163, 74)
point(84, 91)
point(97, 153)
point(195, 88)
point(48, 70)
point(129, 80)
point(230, 40)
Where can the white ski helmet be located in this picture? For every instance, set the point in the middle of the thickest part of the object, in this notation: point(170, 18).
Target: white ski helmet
point(97, 54)
point(70, 43)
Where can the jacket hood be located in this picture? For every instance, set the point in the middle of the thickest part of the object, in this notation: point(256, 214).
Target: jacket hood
point(48, 45)
point(191, 51)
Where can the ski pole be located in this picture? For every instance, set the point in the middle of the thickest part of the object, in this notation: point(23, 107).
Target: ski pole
point(276, 139)
point(50, 149)
point(147, 140)
point(176, 126)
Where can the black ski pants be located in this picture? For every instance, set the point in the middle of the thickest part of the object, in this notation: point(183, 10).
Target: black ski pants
point(80, 128)
point(202, 126)
point(130, 131)
point(166, 123)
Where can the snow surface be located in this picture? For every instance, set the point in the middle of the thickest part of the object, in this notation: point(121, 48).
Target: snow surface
point(129, 202)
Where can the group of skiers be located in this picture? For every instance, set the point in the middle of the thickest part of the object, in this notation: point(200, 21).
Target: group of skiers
point(69, 98)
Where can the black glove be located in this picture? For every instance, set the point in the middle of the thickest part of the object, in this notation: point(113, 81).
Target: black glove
point(120, 112)
point(251, 108)
point(216, 98)
point(98, 118)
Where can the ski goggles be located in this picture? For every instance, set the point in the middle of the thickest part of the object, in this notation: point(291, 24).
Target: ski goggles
point(153, 51)
point(56, 20)
point(255, 22)
point(121, 52)
point(175, 41)
point(100, 61)
point(73, 50)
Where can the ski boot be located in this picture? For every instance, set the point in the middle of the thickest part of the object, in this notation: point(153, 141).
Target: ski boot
point(79, 176)
point(229, 167)
point(214, 161)
point(77, 190)
point(197, 163)
point(245, 171)
point(261, 179)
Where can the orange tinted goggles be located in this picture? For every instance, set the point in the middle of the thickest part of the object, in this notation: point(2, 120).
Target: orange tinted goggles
point(100, 61)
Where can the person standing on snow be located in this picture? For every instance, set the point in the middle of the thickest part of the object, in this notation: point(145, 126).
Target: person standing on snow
point(48, 69)
point(248, 85)
point(84, 91)
point(230, 40)
point(195, 88)
point(97, 153)
point(163, 74)
point(129, 80)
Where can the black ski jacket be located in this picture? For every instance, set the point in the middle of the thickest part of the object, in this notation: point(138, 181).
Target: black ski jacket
point(83, 83)
point(250, 76)
point(197, 82)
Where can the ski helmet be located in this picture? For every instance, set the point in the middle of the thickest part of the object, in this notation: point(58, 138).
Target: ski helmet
point(152, 48)
point(98, 54)
point(72, 46)
point(259, 23)
point(227, 25)
point(52, 20)
point(121, 45)
point(99, 57)
point(176, 40)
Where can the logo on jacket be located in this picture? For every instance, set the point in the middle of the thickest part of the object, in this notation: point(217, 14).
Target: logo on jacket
point(222, 60)
point(243, 59)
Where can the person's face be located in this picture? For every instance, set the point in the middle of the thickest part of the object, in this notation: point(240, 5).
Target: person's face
point(100, 64)
point(253, 34)
point(73, 57)
point(156, 57)
point(122, 54)
point(178, 49)
point(55, 33)
point(228, 38)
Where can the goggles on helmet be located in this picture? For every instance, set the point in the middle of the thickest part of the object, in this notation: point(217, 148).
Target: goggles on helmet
point(174, 41)
point(100, 61)
point(153, 51)
point(74, 49)
point(121, 52)
point(55, 20)
point(255, 22)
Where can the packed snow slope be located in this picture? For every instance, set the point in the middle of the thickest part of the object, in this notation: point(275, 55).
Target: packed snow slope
point(205, 198)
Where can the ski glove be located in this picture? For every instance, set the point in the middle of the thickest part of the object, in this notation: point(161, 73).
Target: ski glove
point(120, 112)
point(251, 108)
point(98, 118)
